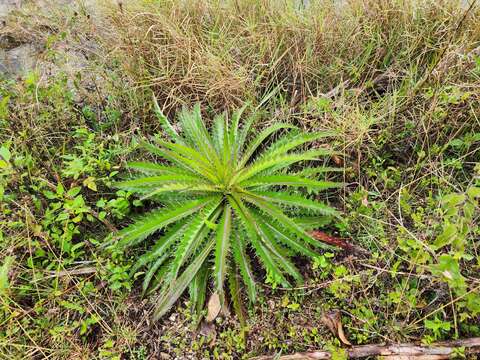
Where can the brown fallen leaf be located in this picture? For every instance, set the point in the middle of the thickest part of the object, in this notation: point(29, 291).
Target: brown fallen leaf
point(331, 240)
point(337, 241)
point(214, 307)
point(337, 160)
point(208, 330)
point(333, 321)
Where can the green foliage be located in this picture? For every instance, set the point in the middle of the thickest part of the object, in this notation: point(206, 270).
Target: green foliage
point(437, 327)
point(409, 134)
point(88, 158)
point(223, 196)
point(4, 269)
point(459, 212)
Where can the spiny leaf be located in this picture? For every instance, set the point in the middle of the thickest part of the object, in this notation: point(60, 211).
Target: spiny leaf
point(250, 224)
point(233, 134)
point(289, 180)
point(156, 220)
point(289, 240)
point(272, 246)
point(287, 143)
point(155, 181)
point(179, 187)
point(243, 263)
point(218, 132)
point(196, 131)
point(297, 201)
point(165, 124)
point(280, 162)
point(153, 168)
point(159, 279)
point(179, 285)
point(200, 169)
point(235, 294)
point(313, 171)
point(242, 135)
point(160, 247)
point(278, 214)
point(222, 247)
point(185, 151)
point(312, 222)
point(192, 233)
point(198, 290)
point(260, 139)
point(152, 270)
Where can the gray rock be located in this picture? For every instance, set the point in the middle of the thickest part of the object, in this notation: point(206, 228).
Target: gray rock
point(8, 5)
point(18, 60)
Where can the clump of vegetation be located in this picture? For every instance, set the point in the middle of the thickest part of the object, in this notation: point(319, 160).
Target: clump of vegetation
point(224, 193)
point(397, 81)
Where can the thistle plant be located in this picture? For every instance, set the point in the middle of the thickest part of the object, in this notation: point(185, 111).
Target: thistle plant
point(227, 197)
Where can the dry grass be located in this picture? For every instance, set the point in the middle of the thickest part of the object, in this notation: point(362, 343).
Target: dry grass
point(224, 53)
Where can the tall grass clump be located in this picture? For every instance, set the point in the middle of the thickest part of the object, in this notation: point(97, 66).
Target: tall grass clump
point(383, 74)
point(221, 53)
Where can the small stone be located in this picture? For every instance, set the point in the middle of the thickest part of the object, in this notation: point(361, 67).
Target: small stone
point(19, 60)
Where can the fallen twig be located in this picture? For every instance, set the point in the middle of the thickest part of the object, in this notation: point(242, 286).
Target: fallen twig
point(72, 272)
point(437, 351)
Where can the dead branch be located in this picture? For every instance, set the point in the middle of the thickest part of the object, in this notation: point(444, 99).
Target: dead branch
point(437, 351)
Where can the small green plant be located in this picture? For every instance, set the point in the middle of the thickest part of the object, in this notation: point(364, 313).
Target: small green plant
point(436, 326)
point(224, 197)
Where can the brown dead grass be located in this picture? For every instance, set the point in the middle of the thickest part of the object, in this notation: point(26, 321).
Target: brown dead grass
point(225, 53)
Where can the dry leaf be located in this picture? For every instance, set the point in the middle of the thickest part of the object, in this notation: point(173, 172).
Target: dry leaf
point(208, 329)
point(333, 321)
point(337, 160)
point(337, 241)
point(331, 240)
point(214, 307)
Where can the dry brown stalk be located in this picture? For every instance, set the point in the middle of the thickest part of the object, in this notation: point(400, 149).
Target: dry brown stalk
point(437, 351)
